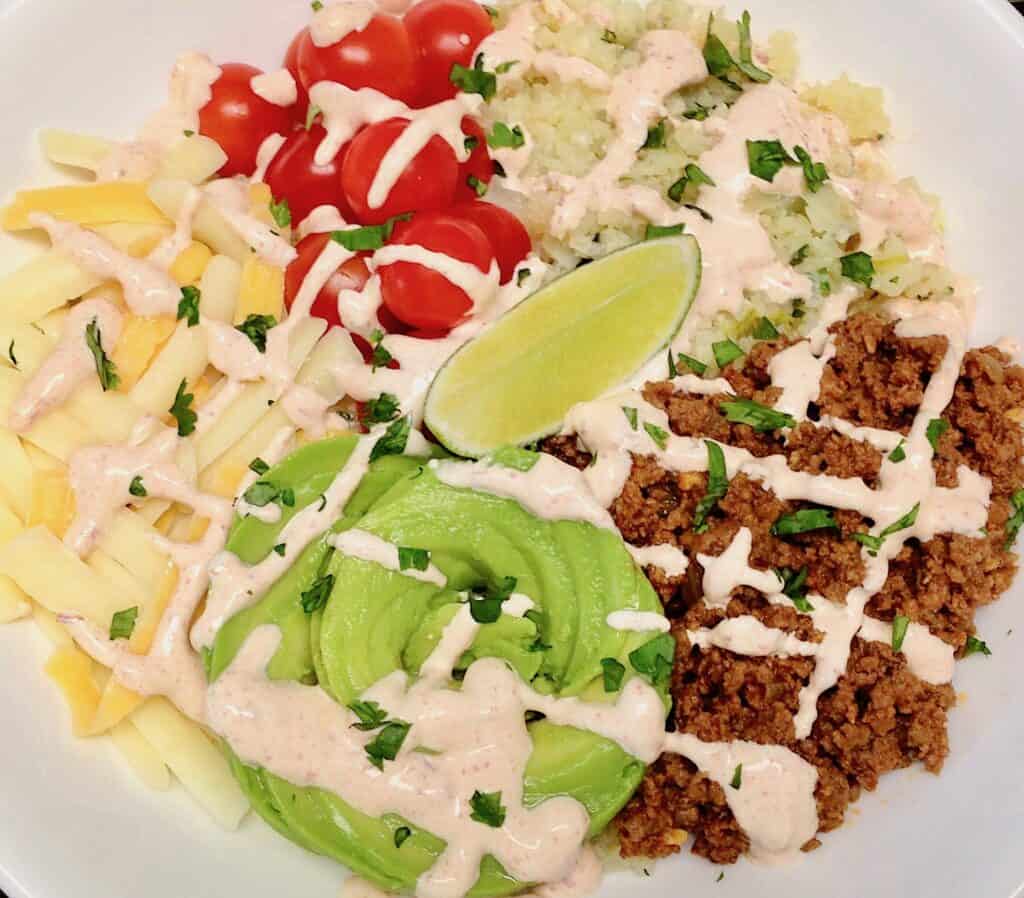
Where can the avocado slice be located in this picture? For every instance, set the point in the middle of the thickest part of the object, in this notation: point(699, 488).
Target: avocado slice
point(377, 621)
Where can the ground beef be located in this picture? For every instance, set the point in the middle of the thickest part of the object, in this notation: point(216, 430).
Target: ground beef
point(879, 717)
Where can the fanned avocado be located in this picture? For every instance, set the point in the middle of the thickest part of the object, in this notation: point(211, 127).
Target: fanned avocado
point(378, 620)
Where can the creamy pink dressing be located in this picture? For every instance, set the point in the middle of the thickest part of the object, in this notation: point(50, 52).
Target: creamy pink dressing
point(335, 22)
point(69, 365)
point(368, 547)
point(230, 198)
point(480, 286)
point(345, 111)
point(638, 622)
point(266, 154)
point(277, 88)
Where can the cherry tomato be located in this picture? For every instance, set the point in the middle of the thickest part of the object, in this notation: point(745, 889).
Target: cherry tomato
point(445, 32)
point(478, 168)
point(380, 56)
point(510, 240)
point(294, 176)
point(352, 275)
point(239, 120)
point(421, 297)
point(428, 182)
point(291, 62)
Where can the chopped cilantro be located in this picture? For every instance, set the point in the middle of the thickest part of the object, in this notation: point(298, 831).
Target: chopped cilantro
point(609, 36)
point(188, 132)
point(491, 11)
point(281, 548)
point(798, 257)
point(653, 232)
point(476, 185)
point(181, 411)
point(281, 212)
point(753, 414)
point(718, 486)
point(898, 454)
point(504, 67)
point(261, 494)
point(317, 5)
point(413, 559)
point(737, 777)
point(900, 625)
point(692, 174)
point(699, 113)
point(471, 143)
point(138, 488)
point(369, 237)
point(259, 467)
point(487, 809)
point(696, 366)
point(815, 173)
point(521, 276)
point(11, 355)
point(255, 327)
point(315, 598)
point(381, 358)
point(371, 716)
point(655, 137)
point(288, 497)
point(673, 371)
point(475, 80)
point(746, 61)
point(613, 672)
point(794, 587)
point(765, 330)
point(1016, 520)
point(503, 136)
point(654, 659)
point(936, 428)
point(401, 836)
point(381, 410)
point(631, 415)
point(485, 604)
point(765, 158)
point(394, 440)
point(976, 646)
point(726, 352)
point(122, 624)
point(657, 434)
point(105, 369)
point(858, 267)
point(874, 543)
point(387, 743)
point(188, 306)
point(804, 521)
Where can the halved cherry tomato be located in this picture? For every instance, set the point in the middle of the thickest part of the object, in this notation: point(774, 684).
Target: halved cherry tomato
point(508, 236)
point(478, 169)
point(380, 56)
point(428, 182)
point(239, 120)
point(352, 275)
point(424, 298)
point(294, 176)
point(291, 62)
point(445, 32)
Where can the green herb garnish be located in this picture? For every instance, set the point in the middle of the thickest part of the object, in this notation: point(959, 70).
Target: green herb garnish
point(381, 410)
point(874, 543)
point(696, 366)
point(746, 61)
point(413, 559)
point(900, 625)
point(388, 743)
point(181, 411)
point(261, 494)
point(394, 440)
point(765, 158)
point(815, 173)
point(401, 835)
point(653, 232)
point(259, 467)
point(122, 624)
point(762, 418)
point(485, 605)
point(371, 716)
point(794, 587)
point(655, 137)
point(631, 416)
point(188, 305)
point(765, 330)
point(105, 369)
point(613, 672)
point(898, 454)
point(976, 646)
point(718, 486)
point(315, 598)
point(1016, 520)
point(369, 237)
point(804, 521)
point(380, 358)
point(858, 267)
point(726, 352)
point(281, 212)
point(487, 809)
point(255, 327)
point(654, 659)
point(659, 435)
point(503, 136)
point(138, 488)
point(936, 428)
point(737, 777)
point(477, 186)
point(475, 80)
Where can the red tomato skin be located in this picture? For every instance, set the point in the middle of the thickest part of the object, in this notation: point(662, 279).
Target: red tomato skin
point(380, 56)
point(428, 183)
point(239, 120)
point(443, 33)
point(479, 165)
point(294, 176)
point(291, 62)
point(352, 275)
point(425, 299)
point(507, 234)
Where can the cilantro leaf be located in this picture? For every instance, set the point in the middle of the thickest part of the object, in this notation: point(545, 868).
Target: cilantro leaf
point(815, 173)
point(753, 414)
point(765, 159)
point(804, 521)
point(388, 743)
point(858, 267)
point(188, 306)
point(692, 174)
point(659, 435)
point(105, 369)
point(122, 624)
point(800, 255)
point(261, 494)
point(371, 715)
point(746, 61)
point(281, 212)
point(503, 136)
point(654, 659)
point(613, 672)
point(475, 80)
point(654, 232)
point(936, 428)
point(900, 625)
point(281, 548)
point(485, 604)
point(487, 809)
point(138, 488)
point(718, 486)
point(726, 352)
point(794, 587)
point(765, 330)
point(976, 646)
point(259, 467)
point(655, 137)
point(255, 327)
point(898, 454)
point(368, 237)
point(1016, 520)
point(381, 410)
point(696, 366)
point(401, 835)
point(315, 598)
point(414, 559)
point(673, 371)
point(631, 416)
point(181, 411)
point(874, 543)
point(394, 441)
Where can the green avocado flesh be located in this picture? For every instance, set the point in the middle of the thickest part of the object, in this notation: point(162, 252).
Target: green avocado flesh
point(378, 620)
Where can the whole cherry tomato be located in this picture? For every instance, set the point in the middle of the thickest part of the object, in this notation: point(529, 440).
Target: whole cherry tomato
point(239, 120)
point(445, 32)
point(352, 275)
point(295, 176)
point(508, 236)
point(428, 182)
point(476, 172)
point(420, 296)
point(380, 56)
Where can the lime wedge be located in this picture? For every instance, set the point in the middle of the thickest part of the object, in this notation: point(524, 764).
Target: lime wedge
point(569, 342)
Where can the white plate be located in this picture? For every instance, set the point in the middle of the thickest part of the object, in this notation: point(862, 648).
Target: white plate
point(74, 823)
